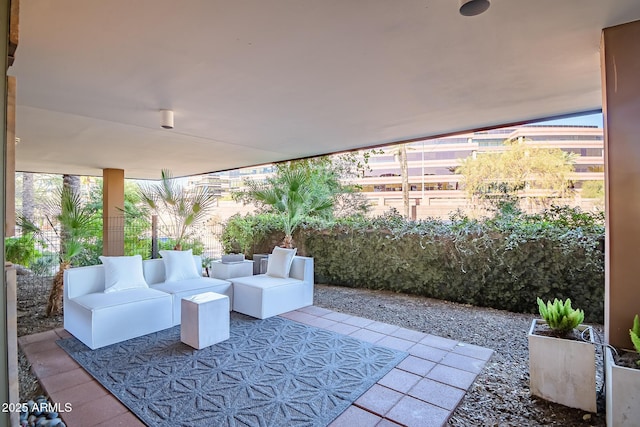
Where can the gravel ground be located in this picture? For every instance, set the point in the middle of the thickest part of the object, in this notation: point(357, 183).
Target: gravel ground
point(498, 397)
point(33, 292)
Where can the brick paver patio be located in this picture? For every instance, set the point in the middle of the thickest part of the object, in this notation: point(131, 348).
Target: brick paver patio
point(422, 390)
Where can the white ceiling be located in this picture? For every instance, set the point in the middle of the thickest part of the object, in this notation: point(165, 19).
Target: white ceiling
point(258, 81)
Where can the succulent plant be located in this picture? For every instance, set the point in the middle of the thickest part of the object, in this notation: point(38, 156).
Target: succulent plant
point(560, 317)
point(634, 332)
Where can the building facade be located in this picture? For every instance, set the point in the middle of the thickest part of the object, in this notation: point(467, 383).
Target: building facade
point(435, 189)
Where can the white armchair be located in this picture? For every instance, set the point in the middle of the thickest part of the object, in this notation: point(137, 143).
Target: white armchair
point(264, 296)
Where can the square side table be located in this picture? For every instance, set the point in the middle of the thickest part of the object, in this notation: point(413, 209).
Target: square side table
point(204, 319)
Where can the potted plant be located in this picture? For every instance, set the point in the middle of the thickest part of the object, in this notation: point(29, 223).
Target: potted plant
point(622, 380)
point(562, 360)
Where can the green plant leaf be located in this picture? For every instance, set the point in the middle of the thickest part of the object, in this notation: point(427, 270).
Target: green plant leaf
point(634, 332)
point(560, 316)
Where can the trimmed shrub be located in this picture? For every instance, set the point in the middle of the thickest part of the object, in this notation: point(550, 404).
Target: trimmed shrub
point(22, 250)
point(505, 262)
point(246, 234)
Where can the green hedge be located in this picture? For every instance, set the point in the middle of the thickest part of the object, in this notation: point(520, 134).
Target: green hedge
point(504, 262)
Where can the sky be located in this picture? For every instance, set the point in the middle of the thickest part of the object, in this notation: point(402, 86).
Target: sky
point(584, 120)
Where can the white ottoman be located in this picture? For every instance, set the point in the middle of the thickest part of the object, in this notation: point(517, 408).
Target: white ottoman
point(230, 270)
point(204, 319)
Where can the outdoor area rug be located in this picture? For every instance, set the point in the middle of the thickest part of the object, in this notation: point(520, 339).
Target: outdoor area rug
point(271, 372)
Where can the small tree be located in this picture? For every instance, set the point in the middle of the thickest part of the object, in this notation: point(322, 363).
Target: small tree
point(594, 190)
point(178, 208)
point(298, 190)
point(520, 171)
point(340, 171)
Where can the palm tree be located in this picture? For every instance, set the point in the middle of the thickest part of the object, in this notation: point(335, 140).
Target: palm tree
point(404, 171)
point(295, 193)
point(72, 222)
point(400, 155)
point(27, 195)
point(177, 208)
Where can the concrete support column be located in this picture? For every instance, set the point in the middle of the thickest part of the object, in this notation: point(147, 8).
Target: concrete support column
point(10, 161)
point(8, 387)
point(113, 212)
point(620, 57)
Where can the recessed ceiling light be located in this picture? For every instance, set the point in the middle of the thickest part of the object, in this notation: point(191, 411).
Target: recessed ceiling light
point(473, 7)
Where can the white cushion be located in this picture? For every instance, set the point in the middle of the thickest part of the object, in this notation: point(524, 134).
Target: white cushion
point(263, 281)
point(200, 284)
point(179, 265)
point(122, 272)
point(280, 261)
point(99, 301)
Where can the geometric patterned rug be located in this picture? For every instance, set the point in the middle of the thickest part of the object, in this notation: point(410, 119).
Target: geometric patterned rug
point(271, 372)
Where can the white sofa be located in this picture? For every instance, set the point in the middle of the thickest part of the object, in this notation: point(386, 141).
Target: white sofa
point(98, 319)
point(154, 274)
point(264, 296)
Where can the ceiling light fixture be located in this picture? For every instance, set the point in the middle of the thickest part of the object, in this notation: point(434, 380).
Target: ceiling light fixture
point(473, 7)
point(166, 119)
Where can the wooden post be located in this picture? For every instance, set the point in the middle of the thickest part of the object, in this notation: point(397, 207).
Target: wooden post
point(113, 212)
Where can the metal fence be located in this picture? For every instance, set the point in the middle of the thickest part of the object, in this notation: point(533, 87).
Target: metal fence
point(37, 258)
point(37, 255)
point(147, 238)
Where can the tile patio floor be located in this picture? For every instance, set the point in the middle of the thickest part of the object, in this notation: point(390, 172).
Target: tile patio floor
point(422, 390)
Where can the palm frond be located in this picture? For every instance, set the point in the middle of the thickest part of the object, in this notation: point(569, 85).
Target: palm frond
point(27, 225)
point(177, 208)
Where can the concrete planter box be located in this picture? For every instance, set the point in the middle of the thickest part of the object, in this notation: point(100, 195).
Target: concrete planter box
point(622, 393)
point(563, 370)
